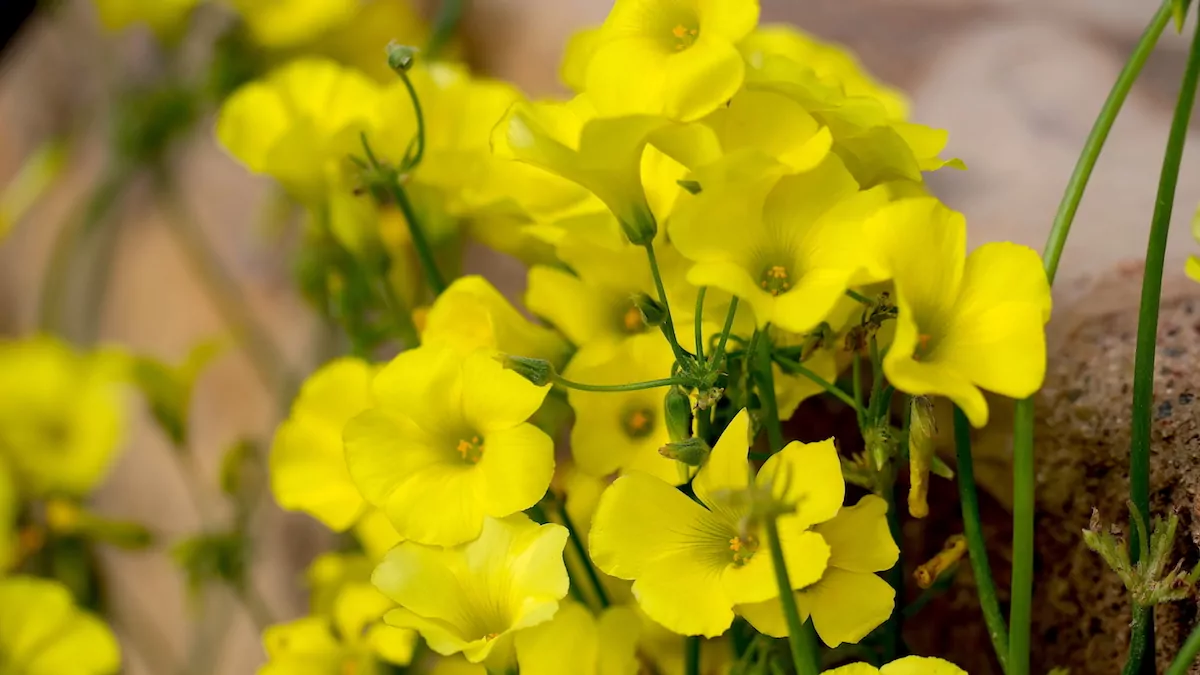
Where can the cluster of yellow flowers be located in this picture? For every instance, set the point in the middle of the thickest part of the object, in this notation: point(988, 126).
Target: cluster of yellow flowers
point(749, 181)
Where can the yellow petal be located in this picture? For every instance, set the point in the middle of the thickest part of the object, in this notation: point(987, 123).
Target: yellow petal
point(577, 55)
point(808, 475)
point(423, 385)
point(921, 665)
point(846, 606)
point(309, 473)
point(811, 299)
point(494, 398)
point(383, 451)
point(569, 642)
point(516, 468)
point(619, 630)
point(457, 491)
point(767, 617)
point(859, 537)
point(727, 469)
point(701, 78)
point(921, 244)
point(1192, 269)
point(685, 595)
point(567, 302)
point(357, 606)
point(376, 534)
point(736, 280)
point(394, 645)
point(805, 554)
point(853, 669)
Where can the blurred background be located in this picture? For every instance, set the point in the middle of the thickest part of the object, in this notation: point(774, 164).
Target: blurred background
point(1016, 82)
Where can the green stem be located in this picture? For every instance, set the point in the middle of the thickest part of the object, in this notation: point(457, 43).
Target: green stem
point(860, 297)
point(444, 26)
point(765, 382)
point(632, 386)
point(699, 322)
point(691, 654)
point(1021, 608)
point(581, 550)
point(1096, 139)
point(719, 352)
point(406, 328)
point(668, 324)
point(1139, 638)
point(794, 366)
point(856, 384)
point(801, 638)
point(412, 162)
point(894, 647)
point(976, 545)
point(1147, 335)
point(1187, 655)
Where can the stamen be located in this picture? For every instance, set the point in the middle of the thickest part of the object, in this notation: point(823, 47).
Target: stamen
point(776, 280)
point(472, 450)
point(632, 321)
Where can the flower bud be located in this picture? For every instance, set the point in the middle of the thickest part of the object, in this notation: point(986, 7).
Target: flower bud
point(693, 451)
point(400, 57)
point(951, 554)
point(651, 310)
point(921, 429)
point(537, 371)
point(642, 230)
point(677, 409)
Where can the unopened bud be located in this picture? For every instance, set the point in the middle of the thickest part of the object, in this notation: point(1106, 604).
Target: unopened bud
point(955, 549)
point(692, 451)
point(652, 311)
point(921, 429)
point(639, 227)
point(400, 57)
point(537, 371)
point(677, 409)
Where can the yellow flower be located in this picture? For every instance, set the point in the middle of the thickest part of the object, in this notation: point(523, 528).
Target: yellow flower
point(361, 41)
point(580, 48)
point(471, 314)
point(167, 18)
point(61, 414)
point(351, 639)
point(623, 431)
point(692, 563)
point(279, 24)
point(1192, 269)
point(308, 462)
point(8, 518)
point(472, 598)
point(448, 444)
point(602, 155)
point(849, 600)
point(962, 325)
point(669, 57)
point(798, 242)
point(42, 632)
point(577, 642)
point(909, 665)
point(299, 124)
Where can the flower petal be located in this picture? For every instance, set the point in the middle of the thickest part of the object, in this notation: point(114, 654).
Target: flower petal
point(921, 665)
point(383, 451)
point(567, 302)
point(568, 643)
point(516, 468)
point(805, 554)
point(727, 468)
point(846, 606)
point(494, 398)
point(808, 475)
point(685, 595)
point(424, 385)
point(859, 537)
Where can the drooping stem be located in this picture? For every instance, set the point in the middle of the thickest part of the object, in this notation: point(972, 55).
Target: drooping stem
point(1147, 336)
point(1187, 655)
point(976, 545)
point(632, 386)
point(668, 324)
point(1096, 139)
point(801, 638)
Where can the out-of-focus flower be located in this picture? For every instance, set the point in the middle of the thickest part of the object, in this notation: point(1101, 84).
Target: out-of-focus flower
point(575, 641)
point(280, 24)
point(42, 632)
point(909, 665)
point(167, 18)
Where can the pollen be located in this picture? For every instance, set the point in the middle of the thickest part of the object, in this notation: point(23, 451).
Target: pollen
point(743, 549)
point(471, 450)
point(923, 342)
point(776, 280)
point(638, 422)
point(632, 320)
point(684, 37)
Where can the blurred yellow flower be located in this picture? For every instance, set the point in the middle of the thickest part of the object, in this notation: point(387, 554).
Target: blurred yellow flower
point(577, 642)
point(360, 41)
point(42, 632)
point(692, 563)
point(623, 431)
point(669, 57)
point(299, 124)
point(167, 18)
point(280, 24)
point(849, 600)
point(61, 414)
point(966, 324)
point(448, 444)
point(308, 463)
point(799, 237)
point(474, 597)
point(350, 638)
point(909, 665)
point(471, 314)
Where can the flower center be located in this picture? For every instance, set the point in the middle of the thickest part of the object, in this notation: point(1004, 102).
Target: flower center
point(471, 450)
point(685, 36)
point(775, 280)
point(638, 422)
point(632, 321)
point(926, 343)
point(743, 548)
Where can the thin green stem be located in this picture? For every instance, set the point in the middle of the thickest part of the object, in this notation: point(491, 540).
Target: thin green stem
point(444, 26)
point(859, 297)
point(411, 162)
point(1096, 139)
point(894, 647)
point(668, 324)
point(877, 409)
point(632, 386)
point(1021, 608)
point(719, 352)
point(801, 638)
point(856, 385)
point(976, 545)
point(1139, 638)
point(765, 382)
point(1147, 335)
point(581, 550)
point(1187, 655)
point(794, 366)
point(691, 654)
point(700, 322)
point(402, 319)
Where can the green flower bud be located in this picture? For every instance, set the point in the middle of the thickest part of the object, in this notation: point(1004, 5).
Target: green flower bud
point(652, 311)
point(677, 408)
point(642, 230)
point(400, 57)
point(693, 451)
point(537, 371)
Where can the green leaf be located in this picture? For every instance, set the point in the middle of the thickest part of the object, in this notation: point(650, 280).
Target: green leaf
point(1179, 9)
point(168, 389)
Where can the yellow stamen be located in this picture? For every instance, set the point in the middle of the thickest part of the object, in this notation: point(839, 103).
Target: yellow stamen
point(776, 280)
point(735, 544)
point(472, 450)
point(679, 31)
point(632, 320)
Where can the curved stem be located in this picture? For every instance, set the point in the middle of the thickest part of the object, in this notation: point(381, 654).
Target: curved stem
point(632, 386)
point(1099, 134)
point(421, 245)
point(411, 162)
point(1187, 655)
point(976, 545)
